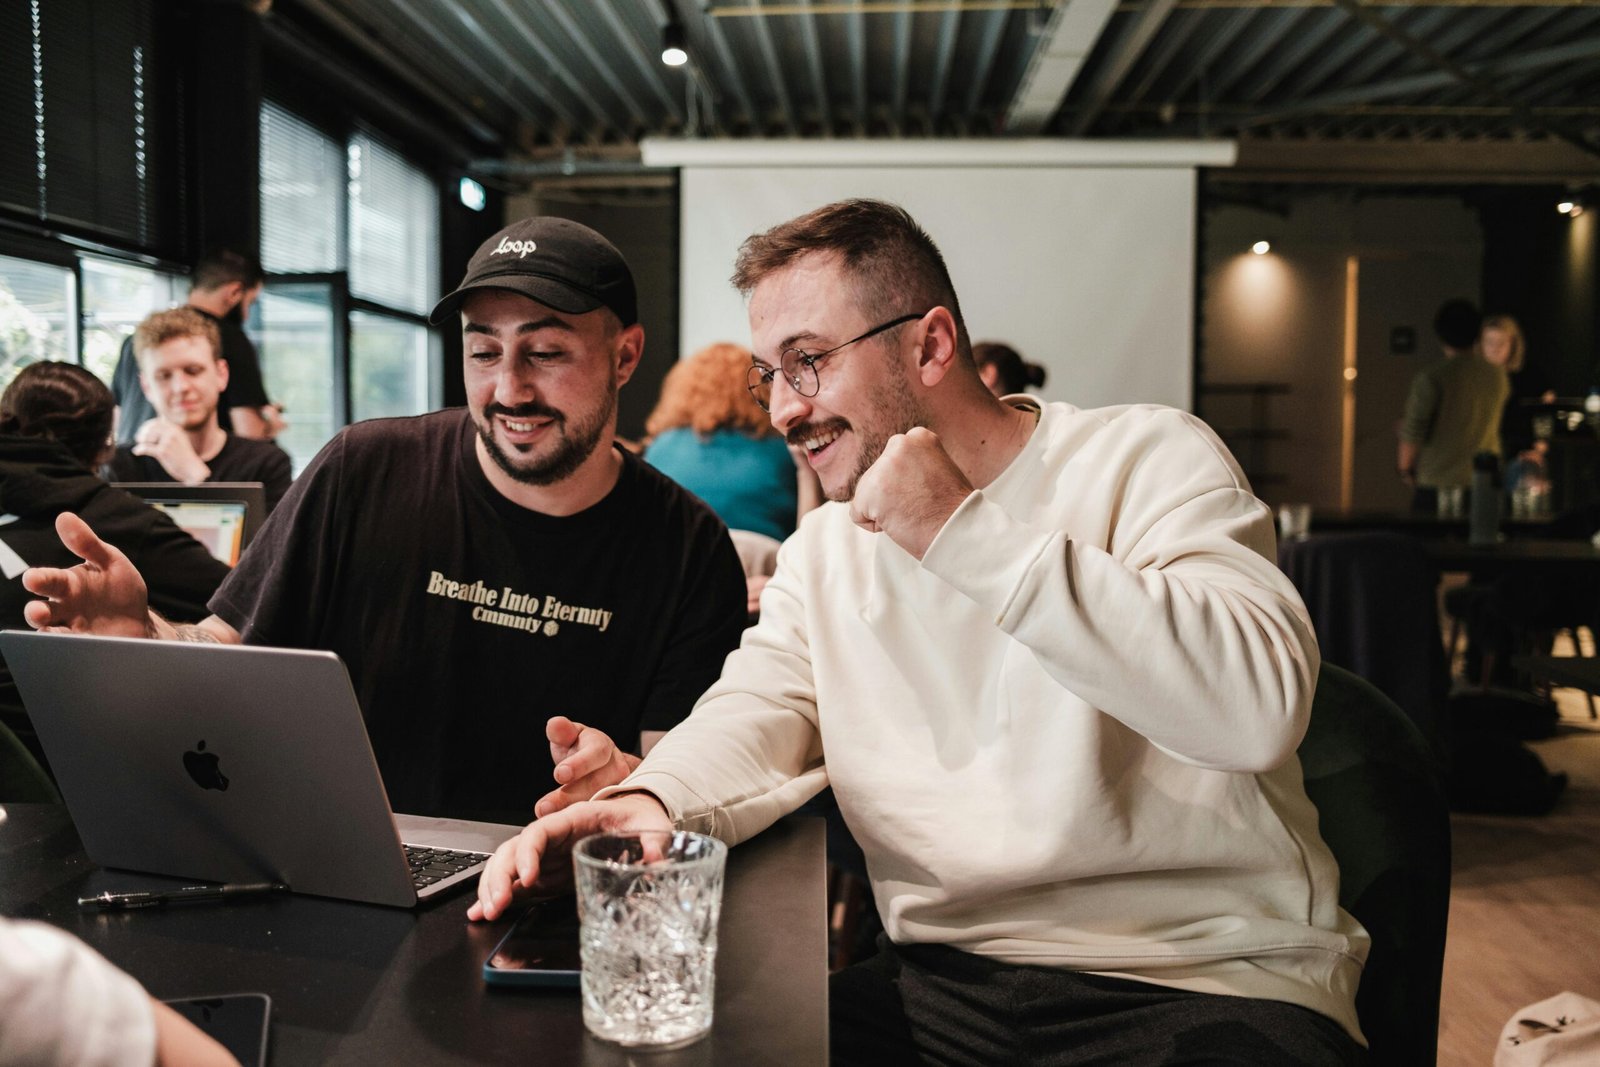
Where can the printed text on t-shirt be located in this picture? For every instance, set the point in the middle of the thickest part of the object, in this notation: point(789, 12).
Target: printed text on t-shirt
point(518, 611)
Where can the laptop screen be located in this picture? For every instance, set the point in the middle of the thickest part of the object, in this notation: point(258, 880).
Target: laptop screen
point(222, 516)
point(217, 524)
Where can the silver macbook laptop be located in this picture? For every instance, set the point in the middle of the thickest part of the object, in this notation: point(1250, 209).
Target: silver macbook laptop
point(230, 764)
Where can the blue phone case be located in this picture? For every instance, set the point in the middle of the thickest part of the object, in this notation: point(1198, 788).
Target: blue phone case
point(540, 949)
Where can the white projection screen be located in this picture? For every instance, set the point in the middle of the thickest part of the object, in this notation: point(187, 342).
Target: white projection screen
point(1085, 267)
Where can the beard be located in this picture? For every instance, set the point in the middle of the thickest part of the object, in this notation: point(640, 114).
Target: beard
point(897, 411)
point(576, 439)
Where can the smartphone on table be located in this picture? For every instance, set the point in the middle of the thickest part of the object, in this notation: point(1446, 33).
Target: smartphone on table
point(541, 949)
point(236, 1021)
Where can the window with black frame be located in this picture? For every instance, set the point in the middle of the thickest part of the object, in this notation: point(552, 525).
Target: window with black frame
point(349, 240)
point(89, 104)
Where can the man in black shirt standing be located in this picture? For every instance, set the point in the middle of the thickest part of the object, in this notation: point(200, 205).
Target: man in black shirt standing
point(488, 575)
point(182, 376)
point(224, 285)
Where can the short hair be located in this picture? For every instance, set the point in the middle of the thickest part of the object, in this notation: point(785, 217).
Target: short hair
point(61, 402)
point(709, 391)
point(164, 326)
point(1015, 373)
point(222, 266)
point(898, 266)
point(1457, 323)
point(1508, 325)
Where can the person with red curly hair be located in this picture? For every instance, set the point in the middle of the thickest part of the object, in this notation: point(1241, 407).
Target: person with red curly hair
point(708, 435)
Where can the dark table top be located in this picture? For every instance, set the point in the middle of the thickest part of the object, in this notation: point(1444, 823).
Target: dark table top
point(1576, 557)
point(1419, 523)
point(354, 983)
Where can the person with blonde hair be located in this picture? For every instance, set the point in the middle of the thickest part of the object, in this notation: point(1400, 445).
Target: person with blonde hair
point(708, 434)
point(183, 375)
point(1501, 343)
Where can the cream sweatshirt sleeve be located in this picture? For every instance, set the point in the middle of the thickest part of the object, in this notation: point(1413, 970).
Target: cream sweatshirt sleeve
point(1180, 624)
point(750, 751)
point(1173, 618)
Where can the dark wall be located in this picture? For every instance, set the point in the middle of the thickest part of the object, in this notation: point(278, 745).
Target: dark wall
point(461, 231)
point(224, 124)
point(1540, 267)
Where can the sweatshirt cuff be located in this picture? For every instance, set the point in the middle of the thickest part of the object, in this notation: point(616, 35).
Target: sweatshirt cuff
point(686, 810)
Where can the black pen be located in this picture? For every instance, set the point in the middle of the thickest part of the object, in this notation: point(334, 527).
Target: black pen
point(109, 901)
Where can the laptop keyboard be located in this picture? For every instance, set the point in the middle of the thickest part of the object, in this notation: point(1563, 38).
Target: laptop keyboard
point(430, 865)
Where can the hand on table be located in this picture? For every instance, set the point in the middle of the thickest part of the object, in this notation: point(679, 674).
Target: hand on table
point(540, 858)
point(910, 490)
point(102, 595)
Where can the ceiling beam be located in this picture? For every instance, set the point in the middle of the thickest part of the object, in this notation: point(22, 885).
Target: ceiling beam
point(644, 60)
point(988, 48)
point(1117, 65)
point(469, 62)
point(370, 41)
point(1447, 163)
point(944, 53)
point(553, 63)
point(1058, 55)
point(856, 43)
point(1537, 59)
point(819, 77)
point(1357, 10)
point(769, 57)
point(719, 44)
point(902, 68)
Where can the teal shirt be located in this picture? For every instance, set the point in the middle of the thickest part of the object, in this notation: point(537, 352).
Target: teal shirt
point(748, 481)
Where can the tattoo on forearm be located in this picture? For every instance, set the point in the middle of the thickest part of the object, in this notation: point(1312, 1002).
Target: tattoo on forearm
point(194, 634)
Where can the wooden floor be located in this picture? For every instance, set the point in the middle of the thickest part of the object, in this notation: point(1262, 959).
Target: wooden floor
point(1525, 902)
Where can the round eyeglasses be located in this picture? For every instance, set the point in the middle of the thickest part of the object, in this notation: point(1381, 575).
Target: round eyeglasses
point(800, 368)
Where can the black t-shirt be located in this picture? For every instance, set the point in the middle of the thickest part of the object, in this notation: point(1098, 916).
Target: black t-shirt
point(245, 385)
point(240, 460)
point(467, 621)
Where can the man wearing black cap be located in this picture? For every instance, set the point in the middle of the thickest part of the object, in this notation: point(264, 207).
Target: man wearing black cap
point(486, 574)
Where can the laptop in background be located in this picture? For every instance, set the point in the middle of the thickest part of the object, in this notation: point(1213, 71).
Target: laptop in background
point(223, 516)
point(230, 763)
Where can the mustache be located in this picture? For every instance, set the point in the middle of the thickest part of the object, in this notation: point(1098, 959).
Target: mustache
point(804, 432)
point(531, 410)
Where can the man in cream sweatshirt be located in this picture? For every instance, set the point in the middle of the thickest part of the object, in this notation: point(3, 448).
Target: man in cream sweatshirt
point(1047, 663)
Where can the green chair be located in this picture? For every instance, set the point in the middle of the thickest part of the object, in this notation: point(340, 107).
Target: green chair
point(22, 780)
point(1384, 815)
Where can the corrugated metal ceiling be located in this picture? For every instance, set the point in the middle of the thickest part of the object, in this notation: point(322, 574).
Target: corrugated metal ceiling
point(586, 74)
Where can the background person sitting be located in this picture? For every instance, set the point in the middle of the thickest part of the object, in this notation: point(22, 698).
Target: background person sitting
point(1003, 369)
point(55, 429)
point(708, 435)
point(183, 376)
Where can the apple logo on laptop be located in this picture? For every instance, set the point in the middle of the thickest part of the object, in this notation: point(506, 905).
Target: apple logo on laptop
point(202, 767)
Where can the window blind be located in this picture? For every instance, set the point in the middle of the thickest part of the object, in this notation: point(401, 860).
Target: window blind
point(302, 195)
point(88, 110)
point(394, 228)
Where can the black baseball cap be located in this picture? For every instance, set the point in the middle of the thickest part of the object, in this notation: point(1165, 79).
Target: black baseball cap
point(560, 263)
